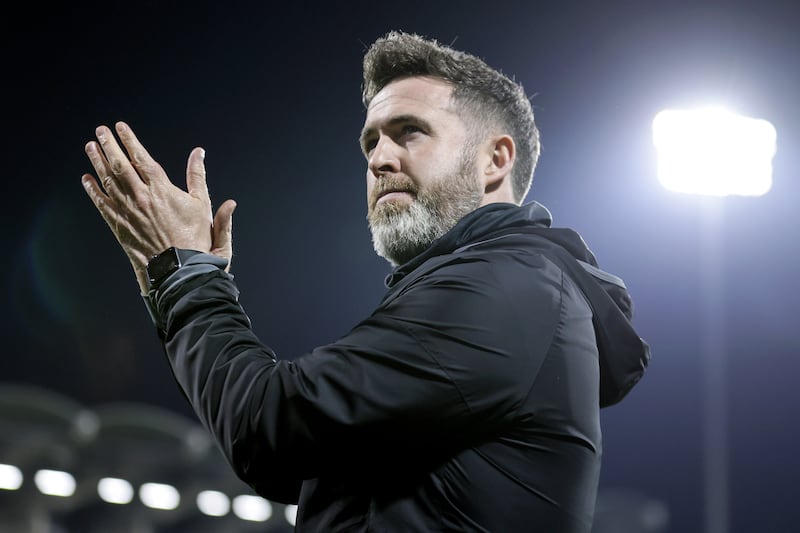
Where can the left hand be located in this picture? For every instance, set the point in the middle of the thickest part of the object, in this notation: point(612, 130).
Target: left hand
point(144, 210)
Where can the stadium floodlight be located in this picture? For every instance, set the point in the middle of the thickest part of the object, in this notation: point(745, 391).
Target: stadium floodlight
point(213, 503)
point(54, 483)
point(10, 477)
point(115, 490)
point(159, 496)
point(712, 151)
point(252, 508)
point(290, 513)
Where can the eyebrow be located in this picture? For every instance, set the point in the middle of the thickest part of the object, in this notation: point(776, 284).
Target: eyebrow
point(394, 121)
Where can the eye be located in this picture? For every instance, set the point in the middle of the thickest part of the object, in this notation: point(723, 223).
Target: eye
point(409, 129)
point(369, 145)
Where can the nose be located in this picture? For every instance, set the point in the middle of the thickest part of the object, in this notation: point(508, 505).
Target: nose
point(384, 157)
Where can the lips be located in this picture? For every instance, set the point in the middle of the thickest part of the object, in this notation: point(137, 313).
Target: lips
point(390, 188)
point(392, 194)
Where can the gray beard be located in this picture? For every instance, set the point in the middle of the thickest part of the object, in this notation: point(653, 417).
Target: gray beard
point(401, 232)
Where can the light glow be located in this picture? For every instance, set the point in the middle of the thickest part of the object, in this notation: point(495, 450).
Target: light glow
point(10, 477)
point(159, 496)
point(54, 483)
point(714, 152)
point(115, 490)
point(252, 508)
point(213, 503)
point(291, 514)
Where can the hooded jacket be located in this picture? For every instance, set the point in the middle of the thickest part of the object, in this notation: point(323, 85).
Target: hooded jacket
point(467, 401)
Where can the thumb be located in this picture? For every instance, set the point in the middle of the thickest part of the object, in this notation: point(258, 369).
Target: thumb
point(196, 175)
point(222, 231)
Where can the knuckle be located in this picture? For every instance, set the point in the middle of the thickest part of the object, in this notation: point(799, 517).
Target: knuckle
point(142, 202)
point(143, 167)
point(147, 167)
point(117, 168)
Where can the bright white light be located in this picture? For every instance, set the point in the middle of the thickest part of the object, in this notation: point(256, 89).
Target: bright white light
point(213, 503)
point(115, 490)
point(253, 508)
point(159, 496)
point(54, 483)
point(714, 152)
point(291, 514)
point(10, 477)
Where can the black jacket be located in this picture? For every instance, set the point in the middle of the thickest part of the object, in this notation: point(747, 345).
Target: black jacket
point(468, 401)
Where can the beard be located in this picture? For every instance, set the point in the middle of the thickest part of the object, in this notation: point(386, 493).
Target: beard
point(400, 231)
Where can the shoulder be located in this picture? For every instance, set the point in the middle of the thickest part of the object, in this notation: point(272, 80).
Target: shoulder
point(507, 275)
point(487, 317)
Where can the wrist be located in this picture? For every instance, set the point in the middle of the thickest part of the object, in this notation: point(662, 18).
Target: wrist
point(160, 266)
point(141, 279)
point(179, 266)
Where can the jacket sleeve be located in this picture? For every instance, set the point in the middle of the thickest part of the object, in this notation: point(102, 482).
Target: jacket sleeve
point(433, 368)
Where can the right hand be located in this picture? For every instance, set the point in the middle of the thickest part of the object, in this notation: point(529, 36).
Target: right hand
point(145, 211)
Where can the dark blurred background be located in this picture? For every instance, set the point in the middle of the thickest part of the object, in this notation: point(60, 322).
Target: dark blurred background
point(272, 92)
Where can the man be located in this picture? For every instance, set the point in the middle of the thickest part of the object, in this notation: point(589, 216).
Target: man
point(469, 399)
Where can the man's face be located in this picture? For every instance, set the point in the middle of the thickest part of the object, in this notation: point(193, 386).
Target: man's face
point(422, 174)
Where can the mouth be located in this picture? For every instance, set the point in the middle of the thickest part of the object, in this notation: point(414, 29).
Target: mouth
point(396, 194)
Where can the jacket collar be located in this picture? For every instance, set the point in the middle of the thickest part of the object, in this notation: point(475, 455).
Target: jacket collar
point(473, 227)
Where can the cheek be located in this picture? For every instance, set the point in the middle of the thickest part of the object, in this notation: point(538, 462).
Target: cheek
point(425, 160)
point(370, 184)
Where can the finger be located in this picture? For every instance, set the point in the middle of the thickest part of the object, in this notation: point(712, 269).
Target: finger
point(104, 203)
point(223, 222)
point(196, 175)
point(101, 167)
point(147, 168)
point(222, 231)
point(121, 169)
point(99, 198)
point(114, 219)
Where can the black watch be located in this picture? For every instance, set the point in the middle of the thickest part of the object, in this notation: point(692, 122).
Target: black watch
point(162, 265)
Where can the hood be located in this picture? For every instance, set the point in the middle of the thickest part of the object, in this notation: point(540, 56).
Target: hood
point(624, 355)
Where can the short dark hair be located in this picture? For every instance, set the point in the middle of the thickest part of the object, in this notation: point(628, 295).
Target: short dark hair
point(494, 99)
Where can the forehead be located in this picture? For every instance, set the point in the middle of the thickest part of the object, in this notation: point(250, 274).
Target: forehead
point(410, 96)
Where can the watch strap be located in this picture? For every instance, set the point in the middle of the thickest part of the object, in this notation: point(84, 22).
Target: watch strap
point(160, 266)
point(193, 264)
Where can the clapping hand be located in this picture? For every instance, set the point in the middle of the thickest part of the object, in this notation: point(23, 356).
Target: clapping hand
point(146, 212)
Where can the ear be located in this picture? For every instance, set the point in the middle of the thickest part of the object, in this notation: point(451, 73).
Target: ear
point(497, 173)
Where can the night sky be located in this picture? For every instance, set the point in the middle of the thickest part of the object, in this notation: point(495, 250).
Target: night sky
point(273, 95)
